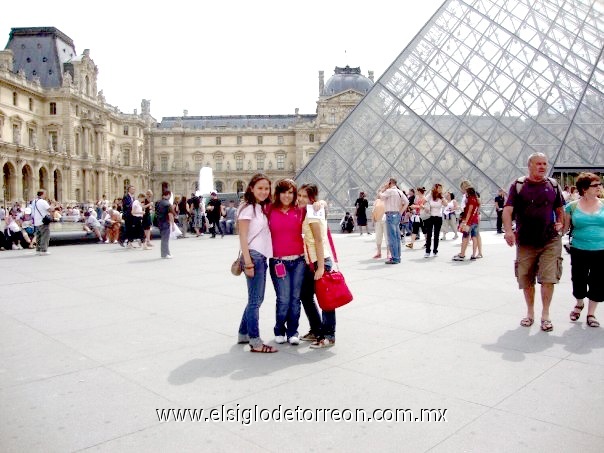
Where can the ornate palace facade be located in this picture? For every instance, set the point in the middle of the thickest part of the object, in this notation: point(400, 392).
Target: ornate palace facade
point(58, 133)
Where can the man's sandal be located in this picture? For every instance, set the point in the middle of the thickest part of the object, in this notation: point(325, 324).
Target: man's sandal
point(576, 313)
point(592, 321)
point(546, 325)
point(264, 349)
point(527, 322)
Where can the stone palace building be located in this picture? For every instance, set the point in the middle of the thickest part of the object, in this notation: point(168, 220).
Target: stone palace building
point(57, 132)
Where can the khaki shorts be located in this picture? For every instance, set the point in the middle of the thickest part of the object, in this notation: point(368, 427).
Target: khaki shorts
point(541, 263)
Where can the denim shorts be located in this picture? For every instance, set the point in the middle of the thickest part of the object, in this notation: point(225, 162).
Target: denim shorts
point(472, 232)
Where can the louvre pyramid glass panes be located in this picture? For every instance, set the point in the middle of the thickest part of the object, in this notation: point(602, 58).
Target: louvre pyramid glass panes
point(481, 87)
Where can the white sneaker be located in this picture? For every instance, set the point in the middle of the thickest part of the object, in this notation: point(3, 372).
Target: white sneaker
point(44, 253)
point(426, 255)
point(168, 257)
point(280, 339)
point(294, 340)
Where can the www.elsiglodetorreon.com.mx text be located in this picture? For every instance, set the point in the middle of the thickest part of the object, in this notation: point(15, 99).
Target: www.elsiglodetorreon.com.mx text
point(249, 415)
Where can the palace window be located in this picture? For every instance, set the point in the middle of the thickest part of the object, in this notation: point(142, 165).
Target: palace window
point(239, 163)
point(280, 140)
point(163, 163)
point(260, 162)
point(219, 140)
point(30, 134)
point(198, 158)
point(53, 137)
point(197, 141)
point(280, 161)
point(239, 139)
point(164, 141)
point(260, 140)
point(311, 138)
point(126, 158)
point(31, 105)
point(126, 131)
point(53, 108)
point(15, 98)
point(219, 165)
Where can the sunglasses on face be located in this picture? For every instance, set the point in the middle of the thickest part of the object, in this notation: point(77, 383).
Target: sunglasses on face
point(599, 184)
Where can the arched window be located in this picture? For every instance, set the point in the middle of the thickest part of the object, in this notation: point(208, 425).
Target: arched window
point(239, 186)
point(219, 186)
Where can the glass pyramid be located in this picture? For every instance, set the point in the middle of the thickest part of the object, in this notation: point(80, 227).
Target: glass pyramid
point(483, 85)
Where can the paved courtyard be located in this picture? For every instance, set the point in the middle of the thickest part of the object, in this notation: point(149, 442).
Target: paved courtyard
point(95, 338)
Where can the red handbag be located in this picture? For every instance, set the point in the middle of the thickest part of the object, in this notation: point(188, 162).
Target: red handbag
point(331, 289)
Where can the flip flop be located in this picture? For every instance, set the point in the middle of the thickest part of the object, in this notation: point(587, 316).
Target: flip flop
point(265, 349)
point(527, 322)
point(546, 325)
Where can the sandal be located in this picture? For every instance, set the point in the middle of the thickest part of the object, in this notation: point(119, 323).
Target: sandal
point(576, 313)
point(592, 321)
point(459, 257)
point(546, 325)
point(527, 322)
point(264, 349)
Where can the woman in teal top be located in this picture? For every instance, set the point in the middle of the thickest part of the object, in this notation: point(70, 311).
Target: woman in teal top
point(587, 249)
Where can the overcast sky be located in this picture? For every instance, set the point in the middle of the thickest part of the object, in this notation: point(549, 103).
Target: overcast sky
point(226, 57)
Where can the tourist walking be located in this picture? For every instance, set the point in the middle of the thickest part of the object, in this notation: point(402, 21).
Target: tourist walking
point(536, 204)
point(395, 202)
point(256, 248)
point(379, 224)
point(165, 221)
point(435, 202)
point(469, 225)
point(40, 210)
point(214, 211)
point(361, 206)
point(450, 216)
point(499, 204)
point(587, 250)
point(416, 209)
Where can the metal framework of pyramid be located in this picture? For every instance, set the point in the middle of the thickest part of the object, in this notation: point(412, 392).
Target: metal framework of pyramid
point(482, 86)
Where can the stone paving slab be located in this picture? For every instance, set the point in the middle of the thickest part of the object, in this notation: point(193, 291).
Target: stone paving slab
point(94, 338)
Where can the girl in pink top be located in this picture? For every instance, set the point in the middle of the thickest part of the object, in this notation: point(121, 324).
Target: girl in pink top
point(287, 264)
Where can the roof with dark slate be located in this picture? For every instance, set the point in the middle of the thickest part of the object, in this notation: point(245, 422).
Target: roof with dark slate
point(234, 121)
point(41, 52)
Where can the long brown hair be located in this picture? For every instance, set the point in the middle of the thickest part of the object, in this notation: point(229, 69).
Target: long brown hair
point(249, 197)
point(435, 193)
point(311, 190)
point(282, 186)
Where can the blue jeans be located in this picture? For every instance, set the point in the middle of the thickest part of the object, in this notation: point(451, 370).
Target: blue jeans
point(164, 232)
point(394, 237)
point(323, 326)
point(255, 296)
point(287, 290)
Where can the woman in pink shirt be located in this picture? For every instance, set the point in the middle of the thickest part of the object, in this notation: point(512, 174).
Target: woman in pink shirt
point(287, 264)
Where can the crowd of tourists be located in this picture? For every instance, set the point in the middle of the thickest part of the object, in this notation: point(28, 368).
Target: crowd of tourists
point(284, 233)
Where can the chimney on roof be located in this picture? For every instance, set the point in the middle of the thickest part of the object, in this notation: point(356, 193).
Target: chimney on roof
point(321, 82)
point(370, 73)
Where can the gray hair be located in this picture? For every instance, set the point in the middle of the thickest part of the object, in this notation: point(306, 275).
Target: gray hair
point(534, 155)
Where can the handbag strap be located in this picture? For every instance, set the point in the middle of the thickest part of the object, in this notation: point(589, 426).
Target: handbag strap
point(333, 252)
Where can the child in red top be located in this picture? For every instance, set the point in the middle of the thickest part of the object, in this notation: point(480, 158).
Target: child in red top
point(469, 224)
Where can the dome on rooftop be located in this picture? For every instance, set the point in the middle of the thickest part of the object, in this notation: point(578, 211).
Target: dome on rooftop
point(345, 79)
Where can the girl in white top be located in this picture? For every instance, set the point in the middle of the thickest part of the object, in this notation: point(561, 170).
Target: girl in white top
point(256, 247)
point(450, 216)
point(436, 202)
